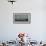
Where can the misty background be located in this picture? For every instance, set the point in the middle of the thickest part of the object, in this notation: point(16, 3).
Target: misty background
point(37, 28)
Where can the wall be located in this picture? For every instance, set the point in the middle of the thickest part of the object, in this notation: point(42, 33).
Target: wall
point(37, 28)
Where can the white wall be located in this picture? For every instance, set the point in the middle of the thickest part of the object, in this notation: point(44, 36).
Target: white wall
point(37, 28)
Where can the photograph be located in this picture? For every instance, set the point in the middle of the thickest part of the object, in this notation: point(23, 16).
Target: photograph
point(22, 22)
